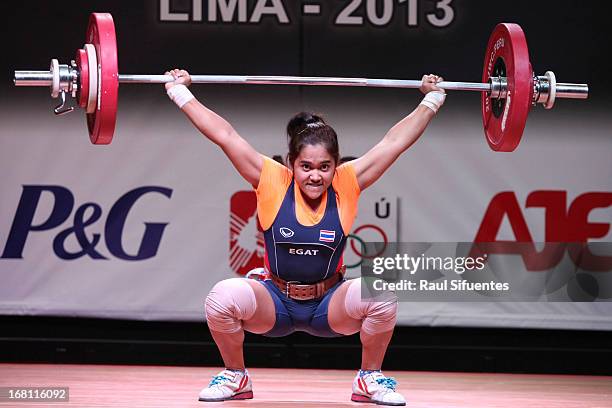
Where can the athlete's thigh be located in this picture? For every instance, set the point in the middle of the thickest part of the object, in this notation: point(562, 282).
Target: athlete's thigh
point(337, 316)
point(265, 313)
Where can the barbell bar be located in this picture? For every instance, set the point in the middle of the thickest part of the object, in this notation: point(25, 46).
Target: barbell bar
point(508, 88)
point(564, 90)
point(45, 78)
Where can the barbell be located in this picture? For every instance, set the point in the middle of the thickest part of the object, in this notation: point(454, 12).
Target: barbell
point(509, 88)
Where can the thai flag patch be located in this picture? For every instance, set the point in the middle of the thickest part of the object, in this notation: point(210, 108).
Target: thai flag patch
point(327, 236)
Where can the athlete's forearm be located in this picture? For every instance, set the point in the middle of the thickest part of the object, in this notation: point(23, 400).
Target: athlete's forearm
point(407, 131)
point(209, 123)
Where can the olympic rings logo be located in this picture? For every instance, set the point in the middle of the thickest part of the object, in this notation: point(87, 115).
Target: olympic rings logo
point(362, 253)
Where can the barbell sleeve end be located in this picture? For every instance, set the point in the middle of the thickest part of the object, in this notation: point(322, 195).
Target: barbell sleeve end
point(572, 91)
point(33, 78)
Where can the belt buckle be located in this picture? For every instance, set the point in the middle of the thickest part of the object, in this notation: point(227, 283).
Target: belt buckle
point(287, 287)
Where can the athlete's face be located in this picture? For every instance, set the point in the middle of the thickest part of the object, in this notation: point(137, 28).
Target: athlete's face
point(313, 170)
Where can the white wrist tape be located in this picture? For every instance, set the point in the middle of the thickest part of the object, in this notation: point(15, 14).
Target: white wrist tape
point(180, 95)
point(434, 100)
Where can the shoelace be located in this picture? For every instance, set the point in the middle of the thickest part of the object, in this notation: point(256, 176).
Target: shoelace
point(387, 382)
point(218, 379)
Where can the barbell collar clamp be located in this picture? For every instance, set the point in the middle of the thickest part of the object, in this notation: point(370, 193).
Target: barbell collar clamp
point(499, 87)
point(62, 108)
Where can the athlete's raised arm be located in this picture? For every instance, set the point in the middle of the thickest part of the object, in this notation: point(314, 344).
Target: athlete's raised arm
point(400, 137)
point(243, 156)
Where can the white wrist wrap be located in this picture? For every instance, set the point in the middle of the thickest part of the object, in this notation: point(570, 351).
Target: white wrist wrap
point(434, 100)
point(180, 95)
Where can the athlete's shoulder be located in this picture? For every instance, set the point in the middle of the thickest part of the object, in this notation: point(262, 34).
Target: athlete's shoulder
point(272, 168)
point(345, 179)
point(347, 189)
point(274, 181)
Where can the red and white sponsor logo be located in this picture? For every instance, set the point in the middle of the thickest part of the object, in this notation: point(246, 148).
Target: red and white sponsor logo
point(246, 246)
point(567, 228)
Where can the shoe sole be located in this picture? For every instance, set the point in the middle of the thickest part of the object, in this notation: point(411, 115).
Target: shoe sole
point(363, 398)
point(240, 396)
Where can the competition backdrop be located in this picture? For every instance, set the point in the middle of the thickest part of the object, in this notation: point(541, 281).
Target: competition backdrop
point(143, 228)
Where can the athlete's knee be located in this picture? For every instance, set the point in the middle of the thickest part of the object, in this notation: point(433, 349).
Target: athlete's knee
point(229, 302)
point(378, 315)
point(381, 316)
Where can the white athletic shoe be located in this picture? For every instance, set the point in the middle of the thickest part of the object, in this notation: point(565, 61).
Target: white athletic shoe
point(374, 387)
point(228, 385)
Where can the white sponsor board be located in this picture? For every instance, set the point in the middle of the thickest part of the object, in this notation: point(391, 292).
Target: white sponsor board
point(140, 229)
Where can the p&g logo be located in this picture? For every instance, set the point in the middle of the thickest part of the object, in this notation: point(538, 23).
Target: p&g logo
point(84, 216)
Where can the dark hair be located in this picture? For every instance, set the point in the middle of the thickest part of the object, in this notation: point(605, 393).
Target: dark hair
point(306, 128)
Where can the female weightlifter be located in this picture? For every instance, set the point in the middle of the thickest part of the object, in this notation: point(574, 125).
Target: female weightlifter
point(306, 211)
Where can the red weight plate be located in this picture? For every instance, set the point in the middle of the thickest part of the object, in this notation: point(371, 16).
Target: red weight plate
point(507, 55)
point(83, 67)
point(101, 33)
point(92, 63)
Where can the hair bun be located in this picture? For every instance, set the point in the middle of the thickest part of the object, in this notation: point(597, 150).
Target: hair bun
point(301, 120)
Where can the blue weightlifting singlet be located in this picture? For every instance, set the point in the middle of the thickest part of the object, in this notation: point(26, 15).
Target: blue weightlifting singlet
point(305, 254)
